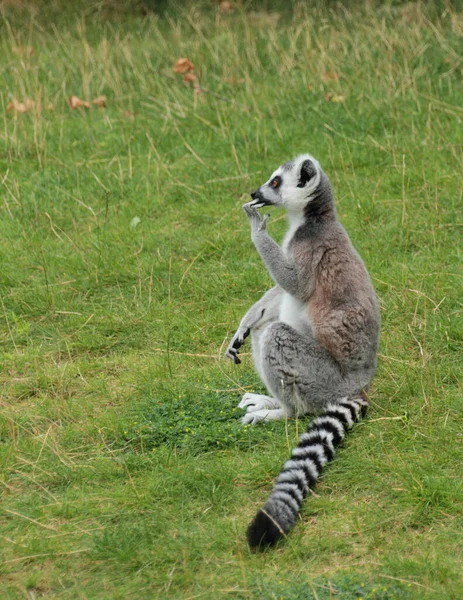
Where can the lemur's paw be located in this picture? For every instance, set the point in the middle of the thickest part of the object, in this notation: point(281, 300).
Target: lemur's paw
point(235, 345)
point(256, 416)
point(232, 354)
point(252, 402)
point(257, 223)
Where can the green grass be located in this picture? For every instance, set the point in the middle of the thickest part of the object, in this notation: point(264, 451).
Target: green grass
point(126, 264)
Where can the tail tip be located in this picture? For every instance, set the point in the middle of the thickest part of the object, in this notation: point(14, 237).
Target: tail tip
point(263, 531)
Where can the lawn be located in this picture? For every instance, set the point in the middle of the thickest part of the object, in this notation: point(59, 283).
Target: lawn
point(126, 264)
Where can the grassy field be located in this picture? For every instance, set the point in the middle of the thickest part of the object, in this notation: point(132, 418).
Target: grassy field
point(126, 264)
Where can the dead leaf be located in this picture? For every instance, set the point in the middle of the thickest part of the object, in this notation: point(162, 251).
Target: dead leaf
point(16, 106)
point(334, 97)
point(20, 107)
point(331, 76)
point(233, 81)
point(24, 50)
point(183, 65)
point(198, 91)
point(310, 87)
point(134, 222)
point(226, 7)
point(50, 106)
point(264, 18)
point(100, 101)
point(191, 79)
point(75, 102)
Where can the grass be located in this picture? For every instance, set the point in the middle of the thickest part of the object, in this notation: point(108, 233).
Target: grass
point(127, 264)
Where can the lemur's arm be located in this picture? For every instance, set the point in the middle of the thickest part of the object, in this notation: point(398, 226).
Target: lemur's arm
point(265, 309)
point(281, 270)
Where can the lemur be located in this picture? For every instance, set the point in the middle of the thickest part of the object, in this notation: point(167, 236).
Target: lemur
point(314, 335)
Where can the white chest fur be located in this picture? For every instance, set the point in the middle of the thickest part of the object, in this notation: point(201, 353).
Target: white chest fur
point(295, 221)
point(294, 313)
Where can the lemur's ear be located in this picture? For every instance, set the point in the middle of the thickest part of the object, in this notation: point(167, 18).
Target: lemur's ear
point(308, 171)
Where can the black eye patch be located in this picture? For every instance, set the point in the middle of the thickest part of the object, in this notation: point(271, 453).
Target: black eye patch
point(276, 182)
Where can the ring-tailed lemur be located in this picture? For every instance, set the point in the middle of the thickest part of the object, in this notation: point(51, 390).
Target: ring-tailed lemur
point(314, 335)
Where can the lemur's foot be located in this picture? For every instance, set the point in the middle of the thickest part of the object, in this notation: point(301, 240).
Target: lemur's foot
point(251, 418)
point(252, 402)
point(235, 345)
point(260, 408)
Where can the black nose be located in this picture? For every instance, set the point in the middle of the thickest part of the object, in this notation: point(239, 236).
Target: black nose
point(254, 194)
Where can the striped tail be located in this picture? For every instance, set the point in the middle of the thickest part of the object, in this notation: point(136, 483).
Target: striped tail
point(300, 473)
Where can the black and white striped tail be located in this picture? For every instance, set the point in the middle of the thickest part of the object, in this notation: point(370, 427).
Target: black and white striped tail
point(300, 473)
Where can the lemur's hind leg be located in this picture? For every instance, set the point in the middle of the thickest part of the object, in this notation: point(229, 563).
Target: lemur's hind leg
point(264, 312)
point(298, 371)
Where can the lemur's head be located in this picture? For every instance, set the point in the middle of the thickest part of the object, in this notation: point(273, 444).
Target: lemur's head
point(292, 185)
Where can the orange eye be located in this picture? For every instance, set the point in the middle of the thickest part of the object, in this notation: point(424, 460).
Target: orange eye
point(275, 182)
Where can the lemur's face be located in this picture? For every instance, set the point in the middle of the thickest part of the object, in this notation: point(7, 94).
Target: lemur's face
point(291, 185)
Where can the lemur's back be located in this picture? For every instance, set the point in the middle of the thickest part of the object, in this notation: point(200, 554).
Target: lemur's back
point(341, 302)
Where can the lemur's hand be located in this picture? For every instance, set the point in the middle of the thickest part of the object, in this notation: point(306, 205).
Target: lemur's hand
point(257, 223)
point(235, 345)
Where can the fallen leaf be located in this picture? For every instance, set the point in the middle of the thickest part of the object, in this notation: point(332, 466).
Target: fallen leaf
point(183, 65)
point(331, 76)
point(16, 106)
point(334, 97)
point(264, 18)
point(134, 222)
point(100, 101)
point(24, 50)
point(233, 81)
point(310, 87)
point(226, 7)
point(191, 79)
point(20, 107)
point(75, 102)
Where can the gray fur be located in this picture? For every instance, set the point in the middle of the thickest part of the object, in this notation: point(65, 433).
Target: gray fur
point(314, 335)
point(328, 349)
